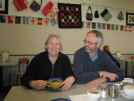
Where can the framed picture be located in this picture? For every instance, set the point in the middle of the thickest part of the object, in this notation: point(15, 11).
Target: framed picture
point(69, 15)
point(130, 19)
point(3, 6)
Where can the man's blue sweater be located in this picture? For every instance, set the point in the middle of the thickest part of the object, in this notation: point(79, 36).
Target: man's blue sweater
point(87, 70)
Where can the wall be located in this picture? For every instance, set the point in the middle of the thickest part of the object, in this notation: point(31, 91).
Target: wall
point(29, 39)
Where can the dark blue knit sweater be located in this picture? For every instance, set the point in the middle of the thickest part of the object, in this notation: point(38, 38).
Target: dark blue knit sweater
point(86, 70)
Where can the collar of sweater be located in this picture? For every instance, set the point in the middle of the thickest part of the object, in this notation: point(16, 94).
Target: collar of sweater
point(92, 55)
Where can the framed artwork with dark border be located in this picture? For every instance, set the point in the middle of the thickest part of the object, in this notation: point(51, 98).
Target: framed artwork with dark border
point(130, 19)
point(69, 15)
point(3, 6)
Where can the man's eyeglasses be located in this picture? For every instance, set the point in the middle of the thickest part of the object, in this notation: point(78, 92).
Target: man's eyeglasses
point(89, 42)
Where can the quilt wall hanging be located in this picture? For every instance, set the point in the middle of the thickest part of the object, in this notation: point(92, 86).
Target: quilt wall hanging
point(69, 15)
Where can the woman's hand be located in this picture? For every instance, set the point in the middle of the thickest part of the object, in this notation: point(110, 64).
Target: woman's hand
point(38, 84)
point(67, 83)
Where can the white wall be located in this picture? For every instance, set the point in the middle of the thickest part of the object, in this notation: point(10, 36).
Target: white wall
point(29, 39)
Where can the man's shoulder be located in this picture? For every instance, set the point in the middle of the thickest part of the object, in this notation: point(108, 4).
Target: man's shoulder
point(101, 52)
point(103, 55)
point(80, 50)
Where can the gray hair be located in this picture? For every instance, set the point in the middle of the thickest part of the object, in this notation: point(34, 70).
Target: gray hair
point(99, 36)
point(52, 36)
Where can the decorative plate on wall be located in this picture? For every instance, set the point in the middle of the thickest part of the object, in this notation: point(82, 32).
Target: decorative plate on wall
point(69, 15)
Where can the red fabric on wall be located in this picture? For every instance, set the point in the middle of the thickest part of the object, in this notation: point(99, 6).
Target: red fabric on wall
point(20, 4)
point(47, 8)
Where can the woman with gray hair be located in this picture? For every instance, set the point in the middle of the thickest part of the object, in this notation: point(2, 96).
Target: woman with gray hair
point(51, 63)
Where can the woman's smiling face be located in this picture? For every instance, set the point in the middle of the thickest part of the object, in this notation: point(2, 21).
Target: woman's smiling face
point(54, 46)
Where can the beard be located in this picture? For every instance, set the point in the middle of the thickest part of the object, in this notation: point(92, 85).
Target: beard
point(89, 50)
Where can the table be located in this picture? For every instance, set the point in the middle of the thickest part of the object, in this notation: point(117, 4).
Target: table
point(19, 93)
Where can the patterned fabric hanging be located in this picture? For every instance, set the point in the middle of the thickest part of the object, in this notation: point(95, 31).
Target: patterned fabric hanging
point(69, 15)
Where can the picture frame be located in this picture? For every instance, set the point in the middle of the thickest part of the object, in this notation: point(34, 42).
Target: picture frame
point(130, 19)
point(69, 15)
point(3, 6)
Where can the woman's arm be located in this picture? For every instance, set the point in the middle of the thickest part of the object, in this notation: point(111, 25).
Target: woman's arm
point(30, 73)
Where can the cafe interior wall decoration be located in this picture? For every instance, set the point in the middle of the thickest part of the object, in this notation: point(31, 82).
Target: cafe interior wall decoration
point(104, 14)
point(7, 19)
point(69, 15)
point(20, 5)
point(130, 19)
point(3, 6)
point(109, 27)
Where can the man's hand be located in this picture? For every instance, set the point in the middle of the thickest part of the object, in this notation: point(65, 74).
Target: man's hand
point(38, 84)
point(94, 85)
point(67, 83)
point(108, 75)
